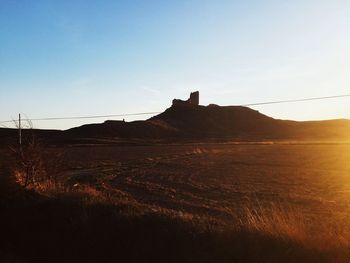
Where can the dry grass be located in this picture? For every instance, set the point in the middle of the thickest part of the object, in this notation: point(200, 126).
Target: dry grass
point(290, 225)
point(231, 208)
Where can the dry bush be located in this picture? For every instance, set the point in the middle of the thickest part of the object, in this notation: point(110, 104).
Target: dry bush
point(33, 165)
point(28, 166)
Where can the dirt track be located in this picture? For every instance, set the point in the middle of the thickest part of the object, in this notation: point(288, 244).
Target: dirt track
point(219, 179)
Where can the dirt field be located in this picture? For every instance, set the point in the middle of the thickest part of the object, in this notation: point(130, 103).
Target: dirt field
point(259, 202)
point(219, 179)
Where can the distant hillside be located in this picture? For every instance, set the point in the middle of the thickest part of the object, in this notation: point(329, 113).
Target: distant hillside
point(10, 136)
point(245, 123)
point(194, 122)
point(216, 121)
point(183, 121)
point(121, 129)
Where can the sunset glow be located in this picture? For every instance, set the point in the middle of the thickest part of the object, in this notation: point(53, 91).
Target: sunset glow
point(64, 58)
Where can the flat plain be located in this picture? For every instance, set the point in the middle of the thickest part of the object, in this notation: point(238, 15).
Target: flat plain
point(218, 180)
point(205, 202)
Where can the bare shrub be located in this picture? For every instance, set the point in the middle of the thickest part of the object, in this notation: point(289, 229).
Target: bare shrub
point(33, 165)
point(28, 168)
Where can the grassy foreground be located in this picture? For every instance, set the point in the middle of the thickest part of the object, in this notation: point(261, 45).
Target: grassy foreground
point(59, 224)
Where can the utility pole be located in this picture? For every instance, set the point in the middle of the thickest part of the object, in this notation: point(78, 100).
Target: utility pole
point(19, 131)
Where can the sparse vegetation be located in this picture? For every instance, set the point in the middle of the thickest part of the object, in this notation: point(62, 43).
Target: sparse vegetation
point(32, 165)
point(186, 204)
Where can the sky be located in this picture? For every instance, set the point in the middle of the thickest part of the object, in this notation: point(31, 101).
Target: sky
point(83, 57)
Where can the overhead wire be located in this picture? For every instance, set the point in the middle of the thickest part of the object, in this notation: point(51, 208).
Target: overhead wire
point(86, 117)
point(296, 100)
point(157, 112)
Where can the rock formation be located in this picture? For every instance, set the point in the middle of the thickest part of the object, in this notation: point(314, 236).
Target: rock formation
point(193, 100)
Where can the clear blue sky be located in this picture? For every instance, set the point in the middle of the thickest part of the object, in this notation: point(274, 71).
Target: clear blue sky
point(75, 57)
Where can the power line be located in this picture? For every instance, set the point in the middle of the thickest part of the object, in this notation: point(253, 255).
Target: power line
point(157, 112)
point(296, 100)
point(87, 117)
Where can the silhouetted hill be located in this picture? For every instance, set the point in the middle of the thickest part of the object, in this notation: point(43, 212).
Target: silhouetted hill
point(203, 122)
point(217, 121)
point(317, 130)
point(245, 123)
point(121, 129)
point(10, 136)
point(196, 122)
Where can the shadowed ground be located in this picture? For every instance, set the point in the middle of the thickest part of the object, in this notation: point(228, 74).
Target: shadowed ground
point(186, 203)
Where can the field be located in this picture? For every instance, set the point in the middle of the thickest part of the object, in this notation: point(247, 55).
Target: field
point(292, 199)
point(219, 179)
